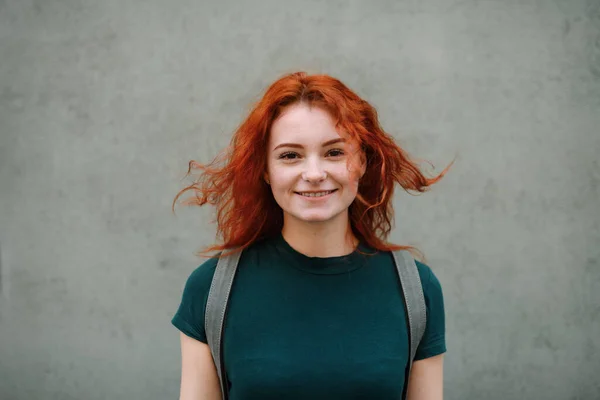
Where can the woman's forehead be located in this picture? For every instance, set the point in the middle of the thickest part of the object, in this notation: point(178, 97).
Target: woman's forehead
point(301, 124)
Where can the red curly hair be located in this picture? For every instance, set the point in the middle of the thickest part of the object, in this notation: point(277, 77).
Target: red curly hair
point(246, 208)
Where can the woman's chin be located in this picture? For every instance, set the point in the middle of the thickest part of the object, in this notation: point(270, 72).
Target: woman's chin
point(314, 217)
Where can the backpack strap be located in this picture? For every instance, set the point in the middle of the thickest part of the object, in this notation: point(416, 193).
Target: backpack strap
point(414, 300)
point(216, 307)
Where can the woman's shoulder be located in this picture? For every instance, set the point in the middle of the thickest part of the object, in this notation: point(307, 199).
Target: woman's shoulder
point(426, 273)
point(201, 277)
point(429, 280)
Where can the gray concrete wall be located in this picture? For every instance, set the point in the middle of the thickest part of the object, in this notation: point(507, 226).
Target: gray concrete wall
point(103, 103)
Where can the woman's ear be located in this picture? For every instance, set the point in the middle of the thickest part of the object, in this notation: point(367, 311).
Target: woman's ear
point(266, 178)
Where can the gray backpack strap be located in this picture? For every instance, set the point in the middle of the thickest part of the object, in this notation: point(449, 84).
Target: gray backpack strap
point(216, 306)
point(414, 299)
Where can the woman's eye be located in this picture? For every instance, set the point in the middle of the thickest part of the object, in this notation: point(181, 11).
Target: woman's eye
point(335, 153)
point(289, 156)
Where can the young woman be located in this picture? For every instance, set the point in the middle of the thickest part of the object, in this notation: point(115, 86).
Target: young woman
point(316, 308)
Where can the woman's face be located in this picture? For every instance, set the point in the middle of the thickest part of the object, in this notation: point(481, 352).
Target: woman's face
point(313, 172)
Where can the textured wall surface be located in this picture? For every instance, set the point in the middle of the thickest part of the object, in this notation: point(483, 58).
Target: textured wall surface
point(103, 103)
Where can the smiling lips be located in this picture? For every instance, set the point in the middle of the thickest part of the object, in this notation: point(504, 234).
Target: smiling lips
point(316, 194)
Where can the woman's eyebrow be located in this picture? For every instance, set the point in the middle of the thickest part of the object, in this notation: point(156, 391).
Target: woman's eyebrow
point(333, 141)
point(299, 146)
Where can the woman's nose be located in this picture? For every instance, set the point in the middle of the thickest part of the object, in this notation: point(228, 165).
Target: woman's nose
point(314, 172)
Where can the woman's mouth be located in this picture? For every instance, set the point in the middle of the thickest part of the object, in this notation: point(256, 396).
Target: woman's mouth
point(319, 194)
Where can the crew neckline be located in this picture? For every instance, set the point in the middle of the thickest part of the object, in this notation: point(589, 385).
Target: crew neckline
point(321, 265)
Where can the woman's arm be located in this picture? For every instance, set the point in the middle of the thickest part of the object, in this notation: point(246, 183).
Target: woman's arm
point(426, 381)
point(199, 379)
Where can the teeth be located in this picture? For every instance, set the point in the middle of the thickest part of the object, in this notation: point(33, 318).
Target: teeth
point(316, 194)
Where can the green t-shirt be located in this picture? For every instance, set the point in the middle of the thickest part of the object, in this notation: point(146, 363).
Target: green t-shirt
point(302, 327)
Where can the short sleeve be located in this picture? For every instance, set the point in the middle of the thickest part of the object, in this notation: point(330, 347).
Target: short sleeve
point(189, 317)
point(433, 342)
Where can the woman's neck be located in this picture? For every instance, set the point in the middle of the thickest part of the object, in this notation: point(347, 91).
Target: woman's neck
point(320, 239)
